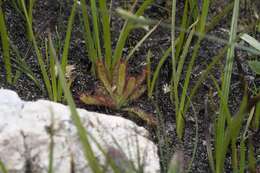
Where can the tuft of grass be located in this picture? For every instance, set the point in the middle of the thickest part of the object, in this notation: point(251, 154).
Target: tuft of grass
point(18, 5)
point(101, 33)
point(52, 86)
point(224, 117)
point(179, 101)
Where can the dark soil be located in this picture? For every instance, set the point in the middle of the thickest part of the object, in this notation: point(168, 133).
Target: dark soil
point(53, 15)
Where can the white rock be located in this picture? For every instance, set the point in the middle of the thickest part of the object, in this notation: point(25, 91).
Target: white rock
point(25, 138)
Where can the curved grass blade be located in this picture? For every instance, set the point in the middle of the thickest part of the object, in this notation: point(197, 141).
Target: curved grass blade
point(92, 52)
point(38, 53)
point(157, 70)
point(88, 152)
point(95, 17)
point(125, 32)
point(52, 70)
point(141, 41)
point(106, 32)
point(20, 64)
point(64, 58)
point(220, 130)
point(180, 115)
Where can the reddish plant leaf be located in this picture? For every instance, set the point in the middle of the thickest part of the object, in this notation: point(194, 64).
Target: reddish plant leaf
point(102, 75)
point(138, 92)
point(97, 100)
point(130, 86)
point(121, 78)
point(148, 118)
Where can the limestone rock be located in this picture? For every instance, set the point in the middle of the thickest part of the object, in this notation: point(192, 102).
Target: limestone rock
point(25, 138)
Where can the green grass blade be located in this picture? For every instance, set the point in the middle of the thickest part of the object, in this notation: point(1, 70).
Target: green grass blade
point(242, 162)
point(20, 64)
point(202, 24)
point(125, 32)
point(184, 24)
point(250, 40)
point(52, 70)
point(5, 46)
point(30, 15)
point(257, 116)
point(88, 152)
point(2, 167)
point(157, 70)
point(148, 79)
point(92, 52)
point(194, 9)
point(39, 55)
point(174, 85)
point(146, 21)
point(251, 157)
point(95, 17)
point(64, 58)
point(234, 156)
point(220, 129)
point(184, 55)
point(106, 32)
point(141, 41)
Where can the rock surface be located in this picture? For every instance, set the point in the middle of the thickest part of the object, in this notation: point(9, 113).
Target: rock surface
point(25, 138)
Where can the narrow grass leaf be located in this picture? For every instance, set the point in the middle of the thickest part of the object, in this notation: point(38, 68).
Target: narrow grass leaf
point(157, 70)
point(52, 71)
point(148, 66)
point(20, 64)
point(64, 58)
point(251, 41)
point(242, 162)
point(106, 32)
point(202, 24)
point(184, 24)
point(95, 20)
point(141, 42)
point(257, 116)
point(251, 157)
point(225, 91)
point(5, 46)
point(184, 55)
point(39, 55)
point(88, 152)
point(125, 32)
point(92, 52)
